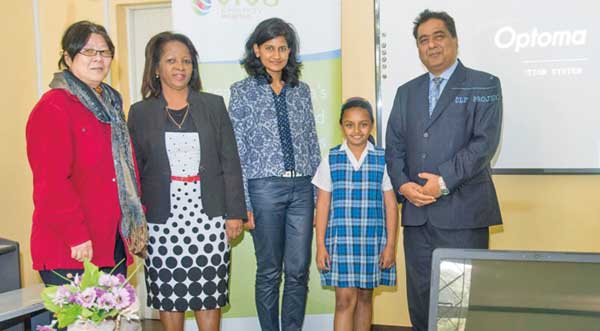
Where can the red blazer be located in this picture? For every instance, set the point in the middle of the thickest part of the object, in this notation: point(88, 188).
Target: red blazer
point(74, 187)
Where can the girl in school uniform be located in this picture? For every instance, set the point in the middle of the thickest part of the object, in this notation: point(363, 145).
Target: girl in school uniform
point(356, 220)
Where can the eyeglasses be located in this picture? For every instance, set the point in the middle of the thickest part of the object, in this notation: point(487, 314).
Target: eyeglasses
point(93, 52)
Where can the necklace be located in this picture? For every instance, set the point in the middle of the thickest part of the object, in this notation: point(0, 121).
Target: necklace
point(178, 125)
point(98, 90)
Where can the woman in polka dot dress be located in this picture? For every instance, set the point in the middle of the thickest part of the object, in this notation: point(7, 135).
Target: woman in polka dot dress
point(191, 185)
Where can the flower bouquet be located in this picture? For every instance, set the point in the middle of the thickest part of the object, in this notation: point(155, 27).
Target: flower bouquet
point(92, 301)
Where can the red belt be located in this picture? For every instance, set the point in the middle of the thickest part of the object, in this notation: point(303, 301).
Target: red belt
point(188, 179)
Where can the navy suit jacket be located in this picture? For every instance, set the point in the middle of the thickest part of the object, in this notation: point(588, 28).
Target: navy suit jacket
point(457, 142)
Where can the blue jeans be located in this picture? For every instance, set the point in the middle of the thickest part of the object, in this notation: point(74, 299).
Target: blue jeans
point(283, 214)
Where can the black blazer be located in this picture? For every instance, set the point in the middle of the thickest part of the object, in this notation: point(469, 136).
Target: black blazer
point(219, 168)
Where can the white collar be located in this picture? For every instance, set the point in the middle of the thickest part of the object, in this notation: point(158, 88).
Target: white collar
point(447, 73)
point(344, 146)
point(363, 155)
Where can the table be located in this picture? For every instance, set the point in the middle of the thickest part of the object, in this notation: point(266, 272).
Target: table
point(23, 305)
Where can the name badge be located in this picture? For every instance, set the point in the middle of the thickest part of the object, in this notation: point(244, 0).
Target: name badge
point(476, 99)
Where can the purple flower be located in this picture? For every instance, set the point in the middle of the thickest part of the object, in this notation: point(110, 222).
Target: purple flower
point(121, 278)
point(107, 301)
point(131, 291)
point(123, 298)
point(87, 297)
point(99, 292)
point(44, 328)
point(107, 280)
point(73, 298)
point(62, 295)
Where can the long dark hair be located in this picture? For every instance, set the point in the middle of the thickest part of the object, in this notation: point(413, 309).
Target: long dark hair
point(75, 38)
point(150, 82)
point(265, 31)
point(362, 103)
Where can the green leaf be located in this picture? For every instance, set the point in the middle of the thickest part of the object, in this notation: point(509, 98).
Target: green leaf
point(47, 295)
point(68, 315)
point(99, 315)
point(49, 291)
point(86, 313)
point(91, 274)
point(95, 318)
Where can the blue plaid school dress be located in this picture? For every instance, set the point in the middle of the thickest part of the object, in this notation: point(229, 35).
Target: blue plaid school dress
point(356, 231)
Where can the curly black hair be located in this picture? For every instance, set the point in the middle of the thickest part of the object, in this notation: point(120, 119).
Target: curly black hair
point(265, 31)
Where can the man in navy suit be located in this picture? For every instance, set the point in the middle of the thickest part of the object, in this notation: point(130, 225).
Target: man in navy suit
point(442, 133)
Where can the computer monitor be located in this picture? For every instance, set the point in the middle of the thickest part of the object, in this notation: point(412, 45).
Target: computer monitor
point(486, 290)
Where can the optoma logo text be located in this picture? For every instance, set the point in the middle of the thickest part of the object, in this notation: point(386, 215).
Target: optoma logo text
point(507, 37)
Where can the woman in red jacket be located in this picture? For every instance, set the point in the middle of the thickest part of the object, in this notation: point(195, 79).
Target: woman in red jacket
point(85, 191)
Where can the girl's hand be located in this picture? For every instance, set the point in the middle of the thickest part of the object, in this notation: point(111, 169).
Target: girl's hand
point(323, 260)
point(388, 257)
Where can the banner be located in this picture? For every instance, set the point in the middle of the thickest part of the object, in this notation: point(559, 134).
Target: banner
point(219, 29)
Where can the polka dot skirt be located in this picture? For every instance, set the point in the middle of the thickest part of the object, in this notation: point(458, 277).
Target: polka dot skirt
point(187, 267)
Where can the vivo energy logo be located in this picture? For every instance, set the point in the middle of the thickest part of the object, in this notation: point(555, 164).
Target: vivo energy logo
point(202, 7)
point(269, 3)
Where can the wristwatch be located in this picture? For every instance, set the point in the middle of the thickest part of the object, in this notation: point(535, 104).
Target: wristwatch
point(443, 189)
